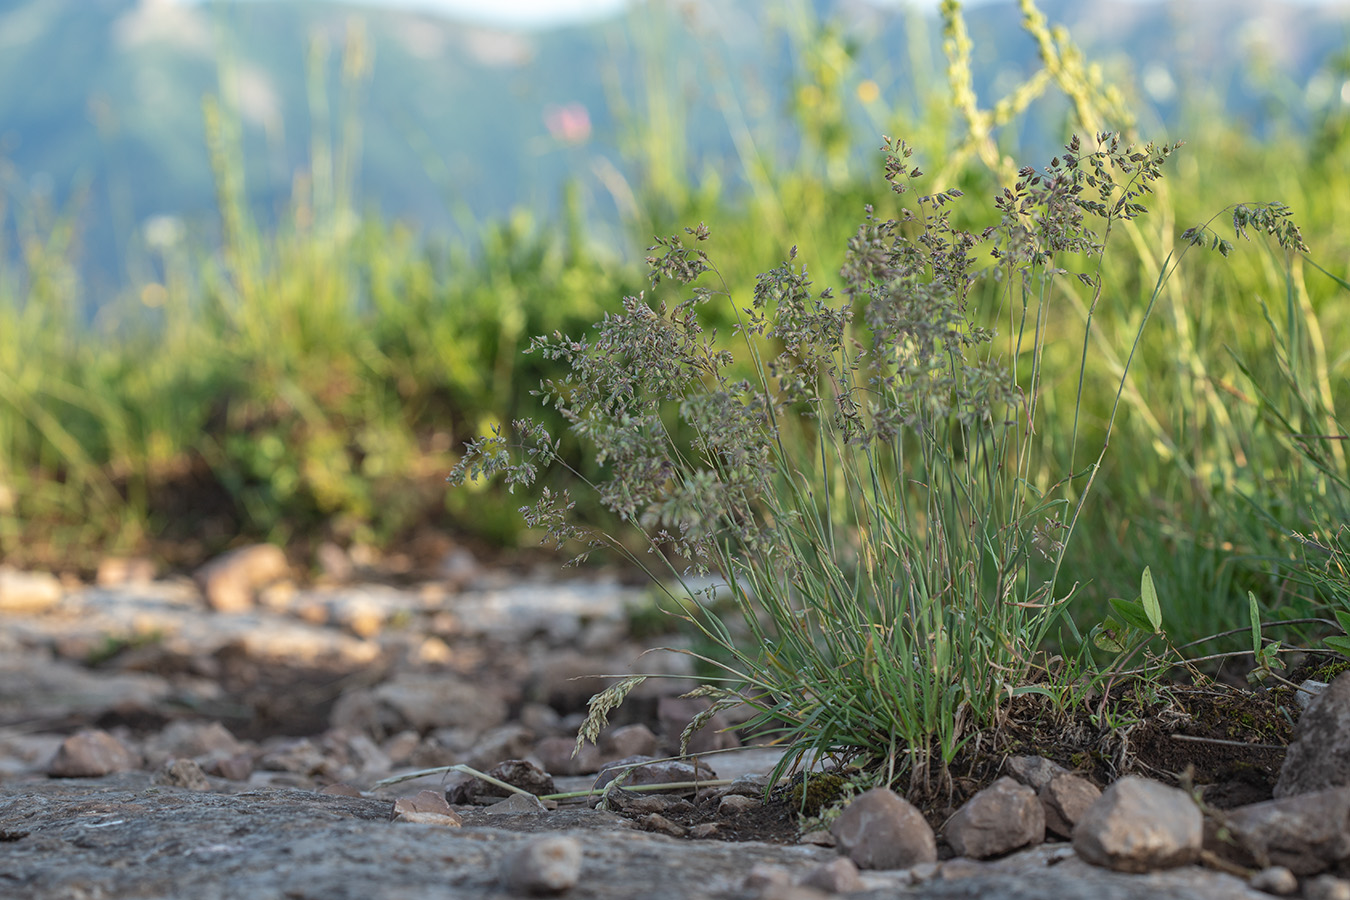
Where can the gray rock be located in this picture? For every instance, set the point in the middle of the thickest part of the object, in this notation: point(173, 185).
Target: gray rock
point(1275, 880)
point(1319, 756)
point(731, 804)
point(1326, 887)
point(121, 571)
point(676, 713)
point(1139, 826)
point(546, 865)
point(629, 740)
point(881, 830)
point(1034, 771)
point(426, 808)
point(1065, 798)
point(637, 771)
point(839, 876)
point(231, 581)
point(298, 756)
point(91, 753)
point(519, 773)
point(182, 773)
point(659, 824)
point(1306, 833)
point(555, 755)
point(33, 685)
point(517, 805)
point(509, 741)
point(420, 702)
point(112, 837)
point(1003, 817)
point(27, 593)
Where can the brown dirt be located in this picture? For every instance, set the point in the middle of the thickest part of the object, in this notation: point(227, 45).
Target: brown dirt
point(1226, 743)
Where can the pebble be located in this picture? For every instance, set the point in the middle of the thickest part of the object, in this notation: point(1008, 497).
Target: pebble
point(837, 877)
point(1065, 798)
point(1139, 825)
point(1275, 880)
point(182, 773)
point(27, 593)
point(426, 807)
point(545, 865)
point(1001, 818)
point(91, 754)
point(1326, 887)
point(231, 581)
point(881, 830)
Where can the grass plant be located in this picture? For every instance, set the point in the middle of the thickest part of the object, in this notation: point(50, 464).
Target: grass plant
point(867, 490)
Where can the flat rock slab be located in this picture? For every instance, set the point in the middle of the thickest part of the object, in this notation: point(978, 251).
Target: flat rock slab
point(121, 836)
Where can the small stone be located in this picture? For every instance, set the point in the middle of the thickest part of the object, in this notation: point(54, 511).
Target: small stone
point(762, 875)
point(547, 865)
point(422, 801)
point(881, 830)
point(1326, 887)
point(630, 740)
point(231, 581)
point(639, 770)
point(924, 872)
point(1305, 833)
point(426, 807)
point(183, 738)
point(818, 839)
point(182, 773)
point(999, 819)
point(555, 756)
point(639, 803)
point(340, 789)
point(333, 562)
point(737, 803)
point(419, 702)
point(299, 756)
point(676, 713)
point(1308, 691)
point(445, 820)
point(661, 825)
point(956, 869)
point(121, 571)
point(1034, 771)
point(1275, 880)
point(236, 768)
point(1065, 798)
point(705, 830)
point(1139, 826)
point(519, 773)
point(27, 593)
point(517, 805)
point(401, 747)
point(91, 754)
point(839, 876)
point(1319, 756)
point(508, 743)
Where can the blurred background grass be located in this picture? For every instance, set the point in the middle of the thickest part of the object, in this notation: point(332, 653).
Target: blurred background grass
point(310, 374)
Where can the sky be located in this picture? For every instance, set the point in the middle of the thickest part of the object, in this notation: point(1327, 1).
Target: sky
point(543, 13)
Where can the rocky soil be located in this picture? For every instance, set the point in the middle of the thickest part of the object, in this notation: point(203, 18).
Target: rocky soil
point(238, 734)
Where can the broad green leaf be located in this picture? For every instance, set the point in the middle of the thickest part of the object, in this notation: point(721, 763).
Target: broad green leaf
point(1340, 644)
point(1254, 613)
point(1132, 613)
point(1109, 636)
point(1343, 619)
point(1148, 595)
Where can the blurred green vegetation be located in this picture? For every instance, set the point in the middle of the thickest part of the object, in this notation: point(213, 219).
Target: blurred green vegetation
point(316, 380)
